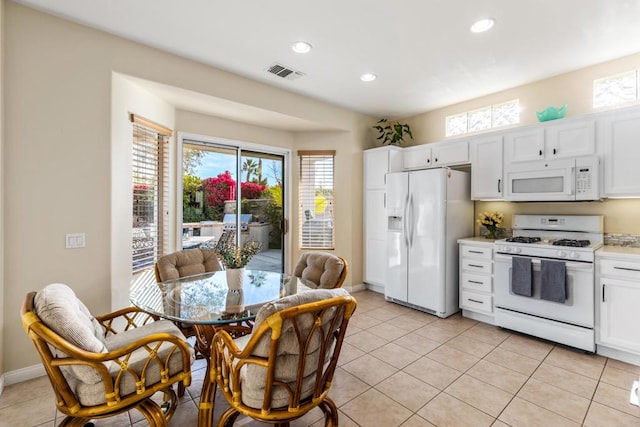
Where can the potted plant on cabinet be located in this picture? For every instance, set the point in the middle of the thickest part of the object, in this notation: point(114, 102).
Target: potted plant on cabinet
point(392, 133)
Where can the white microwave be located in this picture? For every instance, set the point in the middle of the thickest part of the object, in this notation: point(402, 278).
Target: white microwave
point(554, 180)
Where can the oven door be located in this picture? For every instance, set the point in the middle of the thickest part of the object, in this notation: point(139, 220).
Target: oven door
point(577, 310)
point(541, 181)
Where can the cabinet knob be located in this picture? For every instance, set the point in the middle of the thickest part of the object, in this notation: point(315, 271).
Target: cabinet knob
point(554, 151)
point(499, 185)
point(436, 160)
point(541, 152)
point(428, 160)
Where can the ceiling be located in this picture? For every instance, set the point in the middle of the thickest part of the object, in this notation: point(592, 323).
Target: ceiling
point(422, 51)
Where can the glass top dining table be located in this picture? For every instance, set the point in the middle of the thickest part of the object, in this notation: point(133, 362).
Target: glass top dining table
point(206, 299)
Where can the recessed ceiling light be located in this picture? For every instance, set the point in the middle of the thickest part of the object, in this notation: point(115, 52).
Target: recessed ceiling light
point(482, 25)
point(301, 47)
point(368, 77)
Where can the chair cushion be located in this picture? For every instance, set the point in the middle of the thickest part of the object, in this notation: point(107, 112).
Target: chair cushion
point(321, 268)
point(59, 308)
point(94, 394)
point(187, 263)
point(254, 377)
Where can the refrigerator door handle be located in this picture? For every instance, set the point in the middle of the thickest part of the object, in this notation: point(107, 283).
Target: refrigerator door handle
point(412, 223)
point(404, 222)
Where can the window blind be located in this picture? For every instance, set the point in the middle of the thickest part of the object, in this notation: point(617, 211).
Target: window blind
point(316, 200)
point(150, 191)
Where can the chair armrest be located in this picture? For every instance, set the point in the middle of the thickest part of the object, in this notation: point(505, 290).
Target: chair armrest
point(124, 319)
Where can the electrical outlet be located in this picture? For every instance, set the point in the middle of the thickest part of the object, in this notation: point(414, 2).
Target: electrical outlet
point(74, 240)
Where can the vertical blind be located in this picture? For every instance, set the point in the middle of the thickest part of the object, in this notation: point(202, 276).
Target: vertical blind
point(316, 200)
point(150, 191)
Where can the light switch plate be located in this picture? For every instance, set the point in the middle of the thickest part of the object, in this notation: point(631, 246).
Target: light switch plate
point(74, 240)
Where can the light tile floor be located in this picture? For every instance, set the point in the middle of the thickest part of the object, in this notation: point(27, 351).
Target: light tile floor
point(401, 367)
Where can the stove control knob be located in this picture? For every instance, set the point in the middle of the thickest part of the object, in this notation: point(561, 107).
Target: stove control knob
point(561, 254)
point(504, 249)
point(574, 255)
point(516, 250)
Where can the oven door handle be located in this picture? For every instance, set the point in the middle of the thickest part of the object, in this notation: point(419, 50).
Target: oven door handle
point(537, 261)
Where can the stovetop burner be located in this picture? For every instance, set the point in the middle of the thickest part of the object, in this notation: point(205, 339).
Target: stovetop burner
point(523, 239)
point(573, 243)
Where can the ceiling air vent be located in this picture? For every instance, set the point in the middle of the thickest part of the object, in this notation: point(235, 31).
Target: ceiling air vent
point(284, 72)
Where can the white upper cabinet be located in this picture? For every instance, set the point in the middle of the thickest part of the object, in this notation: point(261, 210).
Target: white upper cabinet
point(486, 167)
point(450, 153)
point(377, 163)
point(619, 137)
point(417, 157)
point(570, 138)
point(434, 155)
point(524, 145)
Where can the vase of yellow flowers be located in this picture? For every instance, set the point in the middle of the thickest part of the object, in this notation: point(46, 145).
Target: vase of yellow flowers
point(491, 221)
point(235, 258)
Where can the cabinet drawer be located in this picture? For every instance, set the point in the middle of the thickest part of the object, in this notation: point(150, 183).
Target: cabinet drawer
point(476, 302)
point(476, 252)
point(476, 282)
point(621, 269)
point(476, 266)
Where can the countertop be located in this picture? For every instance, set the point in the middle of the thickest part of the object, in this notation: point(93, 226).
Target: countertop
point(619, 252)
point(477, 240)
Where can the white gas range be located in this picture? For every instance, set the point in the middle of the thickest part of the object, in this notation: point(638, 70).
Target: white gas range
point(544, 277)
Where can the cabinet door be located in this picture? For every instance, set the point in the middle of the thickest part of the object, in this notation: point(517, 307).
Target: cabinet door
point(450, 153)
point(618, 326)
point(486, 168)
point(417, 157)
point(524, 145)
point(575, 138)
point(376, 165)
point(619, 135)
point(375, 241)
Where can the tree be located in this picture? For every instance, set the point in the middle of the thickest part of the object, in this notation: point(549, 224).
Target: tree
point(251, 167)
point(191, 159)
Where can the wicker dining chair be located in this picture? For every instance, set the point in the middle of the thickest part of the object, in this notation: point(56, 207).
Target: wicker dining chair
point(106, 365)
point(325, 270)
point(186, 263)
point(285, 367)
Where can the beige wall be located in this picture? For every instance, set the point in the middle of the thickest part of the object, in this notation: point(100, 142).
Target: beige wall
point(64, 155)
point(620, 215)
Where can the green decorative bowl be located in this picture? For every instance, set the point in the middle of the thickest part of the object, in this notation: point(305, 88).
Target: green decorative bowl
point(551, 113)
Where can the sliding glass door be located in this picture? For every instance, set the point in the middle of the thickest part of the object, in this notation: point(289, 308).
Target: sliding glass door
point(214, 203)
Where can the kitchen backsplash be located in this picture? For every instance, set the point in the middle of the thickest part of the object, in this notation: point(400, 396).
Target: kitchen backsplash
point(615, 239)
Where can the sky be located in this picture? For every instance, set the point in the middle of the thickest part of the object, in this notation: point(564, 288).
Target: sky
point(213, 164)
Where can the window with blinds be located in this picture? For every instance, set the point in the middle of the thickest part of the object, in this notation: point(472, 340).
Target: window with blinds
point(150, 191)
point(317, 230)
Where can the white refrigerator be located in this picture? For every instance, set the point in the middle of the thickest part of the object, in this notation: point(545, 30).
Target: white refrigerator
point(427, 212)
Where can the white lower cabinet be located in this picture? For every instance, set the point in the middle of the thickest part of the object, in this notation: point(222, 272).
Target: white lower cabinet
point(476, 279)
point(618, 296)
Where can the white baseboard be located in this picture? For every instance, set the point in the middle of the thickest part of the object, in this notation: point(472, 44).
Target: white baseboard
point(355, 288)
point(24, 374)
point(375, 288)
point(1, 384)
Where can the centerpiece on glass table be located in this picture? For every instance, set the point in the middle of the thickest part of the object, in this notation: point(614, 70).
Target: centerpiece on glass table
point(235, 258)
point(491, 221)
